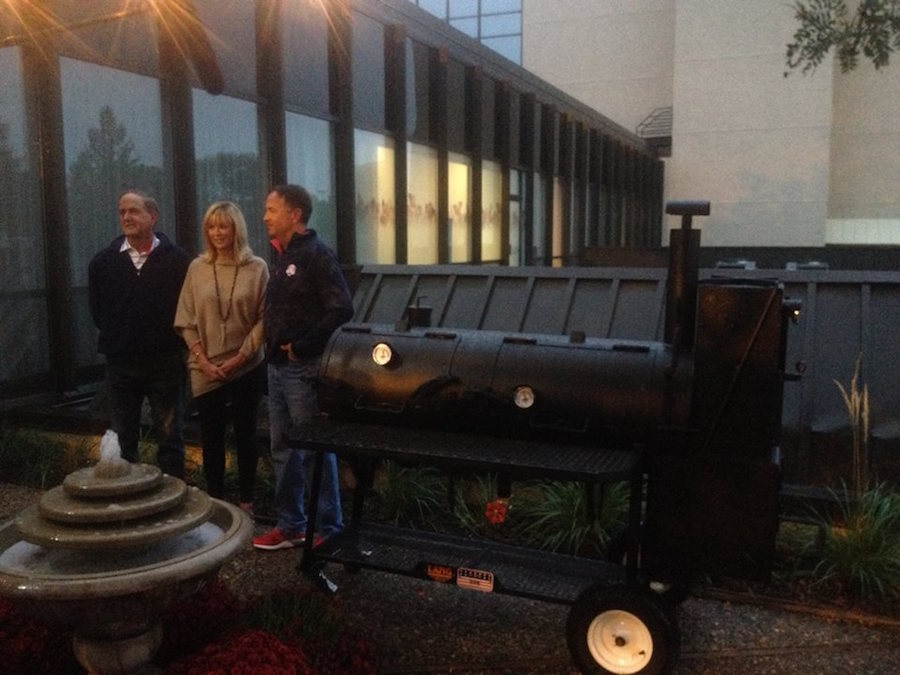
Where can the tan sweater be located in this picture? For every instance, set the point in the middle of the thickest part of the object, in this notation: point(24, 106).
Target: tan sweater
point(198, 319)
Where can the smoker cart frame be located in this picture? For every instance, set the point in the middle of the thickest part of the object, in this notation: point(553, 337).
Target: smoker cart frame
point(615, 619)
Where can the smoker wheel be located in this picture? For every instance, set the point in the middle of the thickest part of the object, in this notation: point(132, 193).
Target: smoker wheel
point(623, 631)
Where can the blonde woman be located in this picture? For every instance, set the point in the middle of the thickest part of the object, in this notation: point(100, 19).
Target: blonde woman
point(220, 318)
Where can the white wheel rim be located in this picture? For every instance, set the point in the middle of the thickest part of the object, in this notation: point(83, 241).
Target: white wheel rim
point(620, 642)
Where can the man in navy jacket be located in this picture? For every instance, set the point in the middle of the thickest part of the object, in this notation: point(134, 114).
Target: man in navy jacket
point(133, 286)
point(306, 300)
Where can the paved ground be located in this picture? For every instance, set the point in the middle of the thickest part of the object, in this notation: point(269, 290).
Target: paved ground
point(424, 627)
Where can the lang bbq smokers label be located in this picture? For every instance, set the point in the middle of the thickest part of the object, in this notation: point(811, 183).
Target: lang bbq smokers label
point(476, 580)
point(442, 573)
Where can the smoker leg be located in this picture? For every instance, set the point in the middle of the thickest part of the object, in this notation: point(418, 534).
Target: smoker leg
point(315, 572)
point(365, 478)
point(635, 520)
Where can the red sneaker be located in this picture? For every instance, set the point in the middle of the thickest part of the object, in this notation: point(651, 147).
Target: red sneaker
point(276, 539)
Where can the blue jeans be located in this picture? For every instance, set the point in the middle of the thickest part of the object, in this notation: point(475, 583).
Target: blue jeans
point(161, 380)
point(292, 401)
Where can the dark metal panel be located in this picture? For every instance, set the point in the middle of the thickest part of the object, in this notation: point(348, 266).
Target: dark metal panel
point(837, 334)
point(508, 304)
point(389, 299)
point(363, 295)
point(431, 290)
point(465, 307)
point(547, 309)
point(591, 310)
point(637, 309)
point(880, 366)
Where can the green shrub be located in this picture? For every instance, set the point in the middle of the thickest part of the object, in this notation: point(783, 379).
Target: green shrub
point(34, 458)
point(557, 515)
point(861, 550)
point(409, 495)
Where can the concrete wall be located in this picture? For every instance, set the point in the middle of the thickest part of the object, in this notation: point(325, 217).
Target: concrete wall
point(756, 144)
point(803, 160)
point(864, 196)
point(615, 56)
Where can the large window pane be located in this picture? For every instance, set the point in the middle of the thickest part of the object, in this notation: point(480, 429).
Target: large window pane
point(467, 26)
point(510, 47)
point(305, 31)
point(22, 284)
point(231, 28)
point(418, 91)
point(456, 106)
point(495, 6)
point(112, 131)
point(228, 163)
point(459, 193)
point(436, 7)
point(422, 239)
point(375, 221)
point(514, 135)
point(368, 72)
point(310, 159)
point(488, 117)
point(96, 31)
point(491, 203)
point(501, 24)
point(463, 8)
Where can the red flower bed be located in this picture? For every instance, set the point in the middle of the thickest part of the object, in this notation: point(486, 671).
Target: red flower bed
point(254, 652)
point(205, 634)
point(29, 647)
point(198, 620)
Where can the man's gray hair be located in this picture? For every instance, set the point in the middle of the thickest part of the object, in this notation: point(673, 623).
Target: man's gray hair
point(149, 202)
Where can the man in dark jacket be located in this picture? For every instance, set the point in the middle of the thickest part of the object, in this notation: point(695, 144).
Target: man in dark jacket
point(306, 300)
point(133, 286)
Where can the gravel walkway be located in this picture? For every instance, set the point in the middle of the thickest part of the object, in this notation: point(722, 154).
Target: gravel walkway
point(424, 627)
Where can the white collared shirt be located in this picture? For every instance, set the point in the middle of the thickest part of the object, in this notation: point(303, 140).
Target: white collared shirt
point(136, 256)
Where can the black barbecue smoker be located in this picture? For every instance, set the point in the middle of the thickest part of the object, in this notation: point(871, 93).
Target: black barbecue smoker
point(692, 423)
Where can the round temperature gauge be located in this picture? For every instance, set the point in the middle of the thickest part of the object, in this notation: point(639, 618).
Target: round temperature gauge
point(382, 353)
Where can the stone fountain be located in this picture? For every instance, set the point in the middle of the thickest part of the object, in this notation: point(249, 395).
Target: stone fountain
point(108, 550)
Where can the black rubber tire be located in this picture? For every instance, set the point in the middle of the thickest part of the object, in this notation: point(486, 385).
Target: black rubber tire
point(626, 630)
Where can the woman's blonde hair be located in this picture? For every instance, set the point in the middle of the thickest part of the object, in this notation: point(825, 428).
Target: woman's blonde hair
point(231, 213)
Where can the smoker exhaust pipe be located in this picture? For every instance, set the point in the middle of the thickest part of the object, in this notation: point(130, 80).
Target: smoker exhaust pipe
point(684, 273)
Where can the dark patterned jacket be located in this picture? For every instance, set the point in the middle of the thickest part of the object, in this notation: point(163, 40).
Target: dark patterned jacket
point(306, 300)
point(134, 311)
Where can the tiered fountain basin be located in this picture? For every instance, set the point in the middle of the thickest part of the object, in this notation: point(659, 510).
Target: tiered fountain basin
point(109, 550)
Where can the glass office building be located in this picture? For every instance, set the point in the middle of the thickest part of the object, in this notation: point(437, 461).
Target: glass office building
point(495, 23)
point(419, 145)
